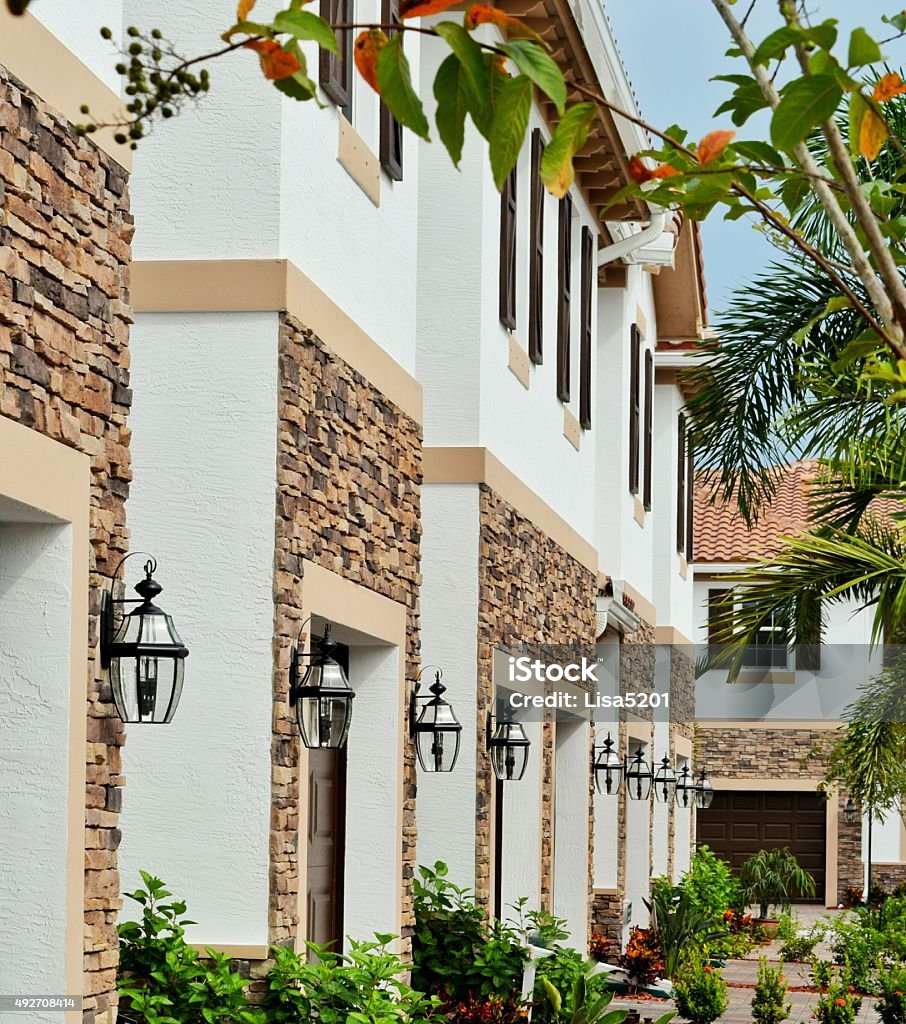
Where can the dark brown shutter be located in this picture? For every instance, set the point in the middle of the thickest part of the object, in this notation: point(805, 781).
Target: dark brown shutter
point(588, 257)
point(334, 69)
point(690, 499)
point(391, 131)
point(536, 254)
point(564, 294)
point(649, 414)
point(508, 207)
point(635, 353)
point(681, 483)
point(717, 600)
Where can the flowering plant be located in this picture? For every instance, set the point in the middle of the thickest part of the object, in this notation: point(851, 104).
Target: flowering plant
point(486, 1010)
point(642, 959)
point(598, 946)
point(892, 991)
point(839, 1004)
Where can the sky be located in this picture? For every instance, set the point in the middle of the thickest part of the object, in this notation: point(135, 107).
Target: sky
point(672, 48)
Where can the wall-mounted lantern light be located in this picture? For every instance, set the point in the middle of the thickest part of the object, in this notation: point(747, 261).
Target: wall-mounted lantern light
point(508, 746)
point(434, 726)
point(323, 697)
point(143, 652)
point(686, 788)
point(664, 781)
point(704, 792)
point(639, 776)
point(849, 812)
point(607, 766)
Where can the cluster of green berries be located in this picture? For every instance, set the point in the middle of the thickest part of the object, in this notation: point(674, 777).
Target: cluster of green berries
point(152, 88)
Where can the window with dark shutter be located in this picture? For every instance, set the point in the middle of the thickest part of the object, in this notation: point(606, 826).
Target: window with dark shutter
point(690, 499)
point(681, 484)
point(536, 255)
point(391, 131)
point(508, 252)
point(635, 355)
point(334, 69)
point(717, 602)
point(564, 296)
point(588, 257)
point(649, 413)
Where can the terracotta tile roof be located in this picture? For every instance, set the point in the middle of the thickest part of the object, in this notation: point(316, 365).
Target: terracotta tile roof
point(721, 534)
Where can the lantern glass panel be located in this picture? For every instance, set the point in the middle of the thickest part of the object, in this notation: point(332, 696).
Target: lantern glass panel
point(608, 772)
point(509, 751)
point(685, 789)
point(704, 794)
point(664, 783)
point(324, 720)
point(147, 679)
point(638, 778)
point(437, 751)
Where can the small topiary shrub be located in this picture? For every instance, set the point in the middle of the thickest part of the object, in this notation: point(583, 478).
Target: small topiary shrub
point(891, 1006)
point(701, 996)
point(769, 1004)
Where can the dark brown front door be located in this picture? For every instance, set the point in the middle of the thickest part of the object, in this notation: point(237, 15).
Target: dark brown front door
point(740, 823)
point(326, 827)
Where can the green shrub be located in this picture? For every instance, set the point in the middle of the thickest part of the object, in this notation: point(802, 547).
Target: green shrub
point(800, 948)
point(892, 989)
point(773, 878)
point(857, 946)
point(712, 886)
point(787, 927)
point(701, 996)
point(683, 931)
point(163, 980)
point(769, 1004)
point(838, 1005)
point(364, 985)
point(456, 951)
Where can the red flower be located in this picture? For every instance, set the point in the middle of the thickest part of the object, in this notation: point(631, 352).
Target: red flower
point(840, 1002)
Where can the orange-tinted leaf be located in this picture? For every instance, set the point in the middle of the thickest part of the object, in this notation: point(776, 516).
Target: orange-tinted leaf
point(873, 134)
point(481, 14)
point(368, 46)
point(889, 86)
point(638, 171)
point(276, 63)
point(422, 8)
point(712, 145)
point(242, 11)
point(664, 171)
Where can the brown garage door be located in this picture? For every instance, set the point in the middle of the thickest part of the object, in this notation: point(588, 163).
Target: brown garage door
point(738, 824)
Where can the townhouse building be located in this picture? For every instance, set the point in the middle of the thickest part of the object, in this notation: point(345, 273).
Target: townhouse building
point(369, 397)
point(758, 738)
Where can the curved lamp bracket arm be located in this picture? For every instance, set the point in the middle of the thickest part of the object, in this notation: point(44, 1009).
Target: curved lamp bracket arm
point(415, 696)
point(108, 624)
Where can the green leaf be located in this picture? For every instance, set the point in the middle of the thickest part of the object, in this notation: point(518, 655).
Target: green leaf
point(775, 45)
point(514, 103)
point(450, 117)
point(793, 192)
point(534, 61)
point(805, 103)
point(862, 49)
point(299, 86)
point(569, 137)
point(305, 25)
point(469, 54)
point(759, 152)
point(396, 87)
point(862, 345)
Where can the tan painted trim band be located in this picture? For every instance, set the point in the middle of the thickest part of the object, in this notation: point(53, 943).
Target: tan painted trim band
point(518, 362)
point(355, 157)
point(481, 466)
point(52, 71)
point(208, 286)
point(240, 951)
point(682, 747)
point(643, 607)
point(56, 479)
point(784, 724)
point(671, 635)
point(640, 731)
point(571, 429)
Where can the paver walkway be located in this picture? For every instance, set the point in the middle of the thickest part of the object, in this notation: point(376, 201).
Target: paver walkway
point(745, 972)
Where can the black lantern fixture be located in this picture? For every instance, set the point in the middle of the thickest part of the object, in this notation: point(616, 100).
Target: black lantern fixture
point(639, 777)
point(508, 746)
point(434, 726)
point(607, 767)
point(704, 792)
point(323, 697)
point(144, 652)
point(849, 811)
point(686, 788)
point(664, 781)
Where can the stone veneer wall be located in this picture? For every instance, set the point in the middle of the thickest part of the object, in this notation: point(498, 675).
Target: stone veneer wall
point(782, 753)
point(348, 498)
point(530, 591)
point(65, 234)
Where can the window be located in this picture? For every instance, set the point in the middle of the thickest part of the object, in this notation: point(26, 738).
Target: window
point(588, 277)
point(685, 488)
point(770, 648)
point(635, 354)
point(536, 254)
point(649, 413)
point(508, 209)
point(690, 498)
point(391, 131)
point(334, 69)
point(564, 296)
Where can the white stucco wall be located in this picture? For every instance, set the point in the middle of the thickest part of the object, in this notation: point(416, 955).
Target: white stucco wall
point(682, 856)
point(886, 835)
point(625, 549)
point(449, 638)
point(571, 828)
point(522, 827)
point(196, 809)
point(637, 852)
point(373, 785)
point(78, 27)
point(35, 628)
point(660, 838)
